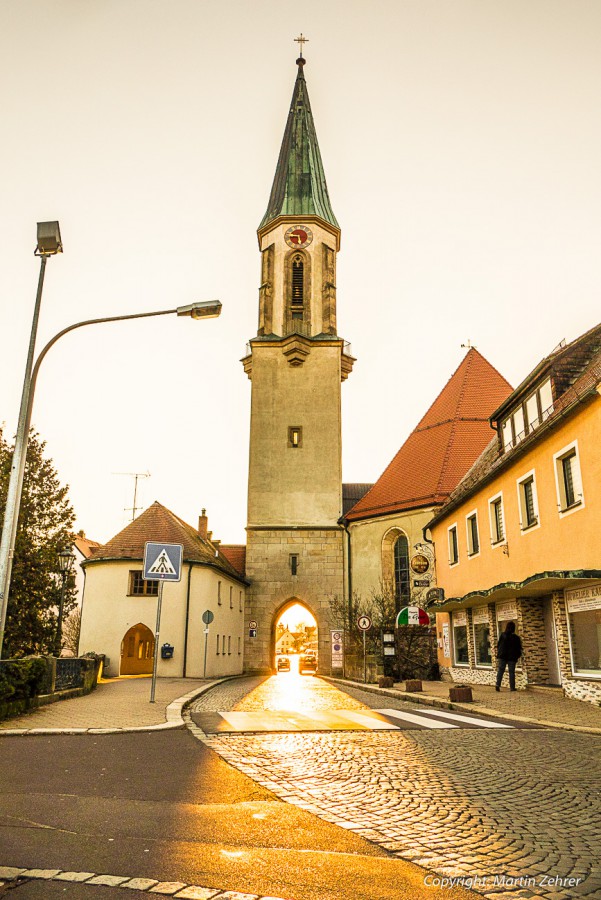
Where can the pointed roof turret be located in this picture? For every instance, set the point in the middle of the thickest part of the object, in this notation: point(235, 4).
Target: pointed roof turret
point(443, 446)
point(299, 187)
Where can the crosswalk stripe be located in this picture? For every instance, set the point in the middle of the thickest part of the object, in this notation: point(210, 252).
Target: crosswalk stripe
point(414, 719)
point(481, 723)
point(372, 722)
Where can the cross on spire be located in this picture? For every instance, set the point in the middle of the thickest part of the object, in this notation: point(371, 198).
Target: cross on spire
point(300, 41)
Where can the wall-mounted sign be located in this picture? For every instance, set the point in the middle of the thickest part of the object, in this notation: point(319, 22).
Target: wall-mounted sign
point(420, 563)
point(459, 617)
point(252, 632)
point(480, 615)
point(507, 610)
point(446, 640)
point(421, 582)
point(435, 595)
point(584, 598)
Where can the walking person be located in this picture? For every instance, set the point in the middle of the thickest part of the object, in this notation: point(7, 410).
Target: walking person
point(509, 650)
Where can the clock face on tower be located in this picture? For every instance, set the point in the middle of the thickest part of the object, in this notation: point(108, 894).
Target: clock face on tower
point(298, 236)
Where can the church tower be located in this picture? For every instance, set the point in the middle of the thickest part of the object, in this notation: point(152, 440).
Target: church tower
point(296, 364)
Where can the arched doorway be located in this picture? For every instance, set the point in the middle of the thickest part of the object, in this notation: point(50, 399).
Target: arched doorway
point(137, 651)
point(294, 636)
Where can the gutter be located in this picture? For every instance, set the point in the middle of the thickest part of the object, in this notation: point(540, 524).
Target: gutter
point(190, 567)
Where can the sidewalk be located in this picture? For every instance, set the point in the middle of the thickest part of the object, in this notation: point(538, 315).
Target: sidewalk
point(117, 704)
point(537, 705)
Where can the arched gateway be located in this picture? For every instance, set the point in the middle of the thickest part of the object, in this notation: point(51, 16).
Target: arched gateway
point(296, 364)
point(137, 651)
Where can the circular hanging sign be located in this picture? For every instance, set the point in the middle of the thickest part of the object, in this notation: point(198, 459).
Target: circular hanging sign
point(420, 563)
point(412, 615)
point(364, 623)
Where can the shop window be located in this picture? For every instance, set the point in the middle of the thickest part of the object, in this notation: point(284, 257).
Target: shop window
point(460, 650)
point(568, 479)
point(506, 611)
point(497, 523)
point(453, 546)
point(528, 503)
point(141, 587)
point(481, 626)
point(473, 538)
point(584, 628)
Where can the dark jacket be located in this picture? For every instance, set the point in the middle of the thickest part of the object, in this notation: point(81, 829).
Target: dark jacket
point(509, 647)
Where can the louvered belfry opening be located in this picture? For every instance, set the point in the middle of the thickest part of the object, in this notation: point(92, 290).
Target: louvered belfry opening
point(298, 281)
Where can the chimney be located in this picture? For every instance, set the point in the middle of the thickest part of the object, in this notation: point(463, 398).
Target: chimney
point(203, 524)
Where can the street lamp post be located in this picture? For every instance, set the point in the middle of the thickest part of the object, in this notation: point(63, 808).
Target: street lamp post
point(49, 243)
point(65, 564)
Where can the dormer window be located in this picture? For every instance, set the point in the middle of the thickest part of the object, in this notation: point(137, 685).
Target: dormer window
point(527, 416)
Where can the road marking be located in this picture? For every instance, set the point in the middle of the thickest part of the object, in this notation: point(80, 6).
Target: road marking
point(414, 719)
point(480, 723)
point(370, 720)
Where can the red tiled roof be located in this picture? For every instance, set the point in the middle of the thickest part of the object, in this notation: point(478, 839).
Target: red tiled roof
point(578, 365)
point(443, 446)
point(236, 554)
point(85, 546)
point(158, 523)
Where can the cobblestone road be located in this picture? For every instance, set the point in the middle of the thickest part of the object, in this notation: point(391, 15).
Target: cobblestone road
point(515, 810)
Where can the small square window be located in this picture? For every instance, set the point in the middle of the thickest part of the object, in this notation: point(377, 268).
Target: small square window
point(295, 436)
point(141, 587)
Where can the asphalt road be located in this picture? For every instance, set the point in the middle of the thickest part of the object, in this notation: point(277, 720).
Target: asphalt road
point(162, 805)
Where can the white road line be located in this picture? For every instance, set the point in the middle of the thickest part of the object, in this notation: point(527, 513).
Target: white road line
point(414, 719)
point(478, 722)
point(371, 722)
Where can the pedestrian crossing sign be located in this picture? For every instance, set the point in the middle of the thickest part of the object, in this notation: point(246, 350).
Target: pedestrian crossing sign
point(162, 562)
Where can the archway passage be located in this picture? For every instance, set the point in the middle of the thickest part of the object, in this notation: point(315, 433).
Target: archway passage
point(295, 638)
point(137, 651)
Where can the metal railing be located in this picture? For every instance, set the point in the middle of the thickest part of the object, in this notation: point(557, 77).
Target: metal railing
point(69, 674)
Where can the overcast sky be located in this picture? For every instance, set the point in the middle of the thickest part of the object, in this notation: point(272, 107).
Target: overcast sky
point(461, 141)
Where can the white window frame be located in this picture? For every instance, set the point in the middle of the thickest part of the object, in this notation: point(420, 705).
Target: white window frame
point(502, 541)
point(576, 478)
point(452, 562)
point(471, 553)
point(524, 527)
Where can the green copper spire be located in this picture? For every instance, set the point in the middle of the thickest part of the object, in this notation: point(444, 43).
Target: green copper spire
point(299, 187)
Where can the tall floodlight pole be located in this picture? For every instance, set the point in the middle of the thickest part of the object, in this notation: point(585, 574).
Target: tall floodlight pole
point(206, 309)
point(49, 244)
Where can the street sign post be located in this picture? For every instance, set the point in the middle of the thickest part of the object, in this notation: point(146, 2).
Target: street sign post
point(162, 562)
point(207, 618)
point(364, 623)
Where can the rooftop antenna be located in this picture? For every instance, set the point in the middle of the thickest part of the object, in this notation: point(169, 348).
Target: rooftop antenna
point(135, 475)
point(469, 345)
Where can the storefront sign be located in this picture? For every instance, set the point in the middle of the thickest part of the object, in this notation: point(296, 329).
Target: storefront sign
point(459, 617)
point(421, 582)
point(480, 615)
point(420, 563)
point(584, 598)
point(507, 610)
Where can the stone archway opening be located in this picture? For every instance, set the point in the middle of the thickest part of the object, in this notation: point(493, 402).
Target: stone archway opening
point(137, 651)
point(294, 636)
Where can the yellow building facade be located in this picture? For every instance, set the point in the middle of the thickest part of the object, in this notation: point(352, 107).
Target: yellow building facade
point(519, 537)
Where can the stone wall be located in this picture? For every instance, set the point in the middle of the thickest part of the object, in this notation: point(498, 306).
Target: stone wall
point(531, 628)
point(273, 587)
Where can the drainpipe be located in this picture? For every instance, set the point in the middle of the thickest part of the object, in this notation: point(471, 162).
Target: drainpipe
point(187, 618)
point(349, 568)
